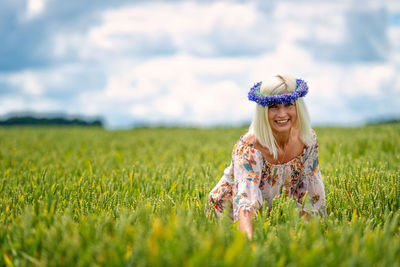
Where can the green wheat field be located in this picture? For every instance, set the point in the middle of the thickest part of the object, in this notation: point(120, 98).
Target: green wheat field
point(75, 196)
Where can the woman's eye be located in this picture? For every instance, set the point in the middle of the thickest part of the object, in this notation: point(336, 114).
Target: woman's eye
point(273, 106)
point(289, 104)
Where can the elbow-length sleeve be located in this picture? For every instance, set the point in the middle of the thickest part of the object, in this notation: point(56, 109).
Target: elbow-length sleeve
point(312, 183)
point(247, 164)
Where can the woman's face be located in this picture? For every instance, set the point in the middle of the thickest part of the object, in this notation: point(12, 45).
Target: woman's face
point(282, 117)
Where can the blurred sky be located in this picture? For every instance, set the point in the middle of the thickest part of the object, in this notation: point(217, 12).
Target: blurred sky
point(193, 62)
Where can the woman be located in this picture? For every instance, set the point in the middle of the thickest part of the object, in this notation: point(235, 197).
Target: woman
point(280, 151)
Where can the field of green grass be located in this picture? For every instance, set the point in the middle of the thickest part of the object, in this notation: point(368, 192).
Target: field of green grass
point(87, 196)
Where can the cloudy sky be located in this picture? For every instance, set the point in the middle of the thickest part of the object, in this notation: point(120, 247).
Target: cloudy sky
point(193, 62)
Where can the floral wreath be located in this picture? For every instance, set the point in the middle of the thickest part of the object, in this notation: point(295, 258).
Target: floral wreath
point(271, 100)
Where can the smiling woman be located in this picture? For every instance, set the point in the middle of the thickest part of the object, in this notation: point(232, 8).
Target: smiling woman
point(278, 154)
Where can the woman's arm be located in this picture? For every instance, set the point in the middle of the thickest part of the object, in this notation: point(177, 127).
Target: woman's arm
point(221, 195)
point(245, 225)
point(313, 183)
point(247, 197)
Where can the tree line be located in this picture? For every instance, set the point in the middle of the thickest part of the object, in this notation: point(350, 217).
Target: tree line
point(31, 120)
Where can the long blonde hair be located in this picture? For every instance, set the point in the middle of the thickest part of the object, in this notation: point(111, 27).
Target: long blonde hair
point(260, 126)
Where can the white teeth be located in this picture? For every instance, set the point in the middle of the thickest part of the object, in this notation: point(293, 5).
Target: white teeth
point(282, 121)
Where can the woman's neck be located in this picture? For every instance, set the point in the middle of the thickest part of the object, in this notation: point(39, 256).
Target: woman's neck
point(282, 139)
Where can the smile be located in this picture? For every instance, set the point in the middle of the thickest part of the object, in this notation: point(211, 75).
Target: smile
point(282, 122)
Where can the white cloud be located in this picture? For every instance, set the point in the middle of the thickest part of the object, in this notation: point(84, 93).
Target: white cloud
point(28, 81)
point(182, 87)
point(34, 8)
point(35, 82)
point(121, 27)
point(22, 104)
point(140, 110)
point(179, 74)
point(369, 79)
point(13, 103)
point(320, 20)
point(170, 106)
point(164, 28)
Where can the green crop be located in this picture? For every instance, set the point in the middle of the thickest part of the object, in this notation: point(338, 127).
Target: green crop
point(74, 196)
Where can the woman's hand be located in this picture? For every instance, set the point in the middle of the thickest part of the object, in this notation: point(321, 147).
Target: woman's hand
point(245, 225)
point(305, 215)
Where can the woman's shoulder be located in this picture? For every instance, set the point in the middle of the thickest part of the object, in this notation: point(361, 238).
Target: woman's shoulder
point(248, 138)
point(312, 146)
point(314, 138)
point(244, 147)
point(313, 133)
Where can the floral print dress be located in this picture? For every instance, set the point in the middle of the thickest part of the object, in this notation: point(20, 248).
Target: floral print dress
point(250, 180)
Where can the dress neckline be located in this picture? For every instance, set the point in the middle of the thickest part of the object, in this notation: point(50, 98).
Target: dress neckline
point(272, 164)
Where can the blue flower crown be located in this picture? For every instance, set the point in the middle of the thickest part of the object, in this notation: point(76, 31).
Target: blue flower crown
point(272, 100)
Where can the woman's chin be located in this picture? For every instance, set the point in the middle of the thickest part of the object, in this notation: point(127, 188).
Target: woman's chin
point(282, 127)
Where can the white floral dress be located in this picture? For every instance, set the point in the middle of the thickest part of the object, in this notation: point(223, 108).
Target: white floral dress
point(250, 180)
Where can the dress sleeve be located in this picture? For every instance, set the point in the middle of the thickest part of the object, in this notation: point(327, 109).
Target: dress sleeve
point(220, 196)
point(312, 183)
point(247, 174)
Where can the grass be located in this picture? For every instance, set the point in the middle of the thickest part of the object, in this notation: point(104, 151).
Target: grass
point(87, 196)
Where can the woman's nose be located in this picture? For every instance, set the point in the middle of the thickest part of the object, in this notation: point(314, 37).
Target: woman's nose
point(282, 111)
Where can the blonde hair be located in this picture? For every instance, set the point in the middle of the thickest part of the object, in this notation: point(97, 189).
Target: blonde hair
point(260, 128)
